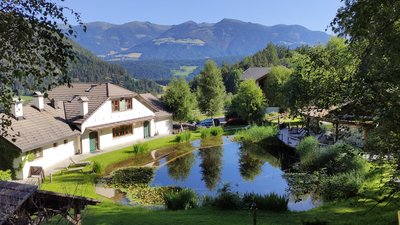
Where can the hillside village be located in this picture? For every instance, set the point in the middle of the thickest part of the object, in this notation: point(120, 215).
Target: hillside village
point(272, 125)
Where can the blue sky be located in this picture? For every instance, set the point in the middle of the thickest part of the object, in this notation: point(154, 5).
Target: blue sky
point(313, 14)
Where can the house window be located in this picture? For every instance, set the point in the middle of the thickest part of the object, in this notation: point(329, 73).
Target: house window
point(65, 142)
point(122, 105)
point(55, 144)
point(128, 103)
point(122, 130)
point(115, 105)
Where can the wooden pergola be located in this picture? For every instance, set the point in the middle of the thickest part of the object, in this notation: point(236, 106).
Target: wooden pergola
point(25, 204)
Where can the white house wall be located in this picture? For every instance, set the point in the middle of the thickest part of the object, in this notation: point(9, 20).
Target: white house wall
point(107, 140)
point(51, 156)
point(105, 115)
point(164, 127)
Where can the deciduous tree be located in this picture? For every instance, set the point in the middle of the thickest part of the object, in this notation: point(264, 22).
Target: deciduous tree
point(33, 48)
point(179, 100)
point(249, 103)
point(274, 87)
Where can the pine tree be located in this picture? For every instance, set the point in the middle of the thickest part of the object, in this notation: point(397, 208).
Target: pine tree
point(210, 90)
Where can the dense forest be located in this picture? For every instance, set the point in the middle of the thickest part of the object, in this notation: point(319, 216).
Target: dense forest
point(88, 68)
point(161, 71)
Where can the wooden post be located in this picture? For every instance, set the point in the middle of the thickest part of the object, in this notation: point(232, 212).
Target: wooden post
point(51, 178)
point(78, 214)
point(254, 209)
point(337, 131)
point(398, 216)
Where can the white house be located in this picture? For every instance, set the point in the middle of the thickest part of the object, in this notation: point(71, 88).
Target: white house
point(80, 119)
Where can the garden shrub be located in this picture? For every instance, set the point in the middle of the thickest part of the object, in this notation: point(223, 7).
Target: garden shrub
point(256, 134)
point(341, 186)
point(226, 199)
point(140, 148)
point(181, 200)
point(132, 175)
point(146, 195)
point(307, 146)
point(334, 159)
point(5, 175)
point(183, 137)
point(271, 202)
point(97, 168)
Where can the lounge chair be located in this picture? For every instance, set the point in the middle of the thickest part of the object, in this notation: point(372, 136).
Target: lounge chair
point(72, 169)
point(83, 163)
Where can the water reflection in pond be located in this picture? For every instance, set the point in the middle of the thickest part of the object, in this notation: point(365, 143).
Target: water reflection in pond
point(248, 168)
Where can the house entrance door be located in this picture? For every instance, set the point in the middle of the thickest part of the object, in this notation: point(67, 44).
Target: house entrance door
point(146, 127)
point(94, 141)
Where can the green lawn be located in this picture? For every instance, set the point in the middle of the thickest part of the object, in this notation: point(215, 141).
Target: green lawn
point(345, 213)
point(200, 116)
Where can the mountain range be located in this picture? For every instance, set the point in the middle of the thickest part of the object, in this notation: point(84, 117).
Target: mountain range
point(190, 40)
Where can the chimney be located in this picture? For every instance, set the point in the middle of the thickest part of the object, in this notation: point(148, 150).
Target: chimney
point(17, 109)
point(56, 104)
point(84, 106)
point(38, 100)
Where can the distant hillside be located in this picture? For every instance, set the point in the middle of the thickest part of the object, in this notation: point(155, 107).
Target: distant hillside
point(104, 39)
point(89, 68)
point(189, 40)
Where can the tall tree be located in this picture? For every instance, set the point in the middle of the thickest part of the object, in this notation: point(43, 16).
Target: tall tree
point(231, 78)
point(249, 103)
point(321, 76)
point(274, 87)
point(210, 89)
point(372, 28)
point(33, 48)
point(272, 55)
point(179, 100)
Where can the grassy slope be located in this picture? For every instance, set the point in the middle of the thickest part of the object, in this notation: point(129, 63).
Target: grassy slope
point(184, 71)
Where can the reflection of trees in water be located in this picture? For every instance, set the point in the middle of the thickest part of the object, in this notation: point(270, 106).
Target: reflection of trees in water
point(179, 168)
point(181, 159)
point(249, 166)
point(211, 166)
point(261, 153)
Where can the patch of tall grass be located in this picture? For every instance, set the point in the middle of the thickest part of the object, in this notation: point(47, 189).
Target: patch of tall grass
point(183, 137)
point(140, 148)
point(271, 202)
point(212, 131)
point(97, 168)
point(256, 134)
point(181, 200)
